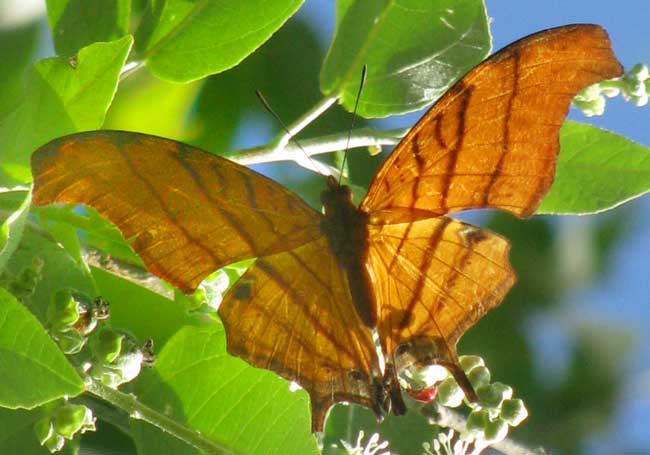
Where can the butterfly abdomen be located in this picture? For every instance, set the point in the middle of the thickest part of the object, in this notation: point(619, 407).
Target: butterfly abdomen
point(347, 234)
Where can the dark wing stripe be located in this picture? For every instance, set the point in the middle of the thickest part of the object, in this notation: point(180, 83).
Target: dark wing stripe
point(466, 94)
point(446, 241)
point(456, 269)
point(230, 219)
point(275, 276)
point(398, 279)
point(505, 139)
point(327, 287)
point(426, 263)
point(154, 192)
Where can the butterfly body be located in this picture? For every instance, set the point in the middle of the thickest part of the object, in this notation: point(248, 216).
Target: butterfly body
point(396, 268)
point(347, 234)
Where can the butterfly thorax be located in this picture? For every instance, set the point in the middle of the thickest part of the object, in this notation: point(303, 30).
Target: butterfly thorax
point(346, 229)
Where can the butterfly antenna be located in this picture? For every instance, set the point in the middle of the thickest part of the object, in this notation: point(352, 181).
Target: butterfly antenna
point(268, 107)
point(364, 71)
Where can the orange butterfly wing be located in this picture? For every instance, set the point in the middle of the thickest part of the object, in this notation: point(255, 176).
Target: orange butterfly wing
point(292, 313)
point(491, 141)
point(186, 211)
point(435, 278)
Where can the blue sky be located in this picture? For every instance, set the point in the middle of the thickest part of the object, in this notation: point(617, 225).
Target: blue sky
point(623, 297)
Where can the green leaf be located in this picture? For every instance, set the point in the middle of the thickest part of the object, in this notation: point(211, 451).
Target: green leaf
point(17, 432)
point(414, 51)
point(596, 171)
point(244, 408)
point(78, 23)
point(17, 46)
point(38, 372)
point(224, 104)
point(186, 40)
point(61, 97)
point(11, 230)
point(99, 233)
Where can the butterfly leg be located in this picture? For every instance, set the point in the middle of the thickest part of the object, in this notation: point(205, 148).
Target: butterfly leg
point(393, 401)
point(461, 378)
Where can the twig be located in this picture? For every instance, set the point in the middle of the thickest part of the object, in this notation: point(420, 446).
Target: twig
point(363, 137)
point(303, 121)
point(138, 410)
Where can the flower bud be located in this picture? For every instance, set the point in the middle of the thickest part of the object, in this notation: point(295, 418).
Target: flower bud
point(106, 344)
point(476, 421)
point(44, 430)
point(63, 310)
point(71, 419)
point(637, 88)
point(513, 411)
point(70, 342)
point(468, 362)
point(495, 431)
point(479, 376)
point(639, 72)
point(492, 395)
point(589, 93)
point(640, 101)
point(449, 393)
point(55, 443)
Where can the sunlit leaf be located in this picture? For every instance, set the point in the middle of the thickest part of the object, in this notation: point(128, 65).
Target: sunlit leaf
point(413, 51)
point(11, 229)
point(17, 46)
point(149, 105)
point(61, 97)
point(246, 409)
point(183, 41)
point(596, 171)
point(39, 371)
point(78, 23)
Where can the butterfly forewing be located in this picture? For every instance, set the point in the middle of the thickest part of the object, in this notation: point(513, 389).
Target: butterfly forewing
point(492, 140)
point(292, 313)
point(185, 211)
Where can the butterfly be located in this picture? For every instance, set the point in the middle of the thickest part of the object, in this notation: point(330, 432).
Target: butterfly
point(396, 266)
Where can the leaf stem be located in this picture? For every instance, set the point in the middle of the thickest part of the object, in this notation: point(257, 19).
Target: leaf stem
point(130, 68)
point(138, 410)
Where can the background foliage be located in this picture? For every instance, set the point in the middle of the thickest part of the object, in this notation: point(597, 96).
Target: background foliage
point(559, 262)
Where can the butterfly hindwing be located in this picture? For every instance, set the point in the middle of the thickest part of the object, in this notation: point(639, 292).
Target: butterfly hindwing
point(438, 277)
point(292, 313)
